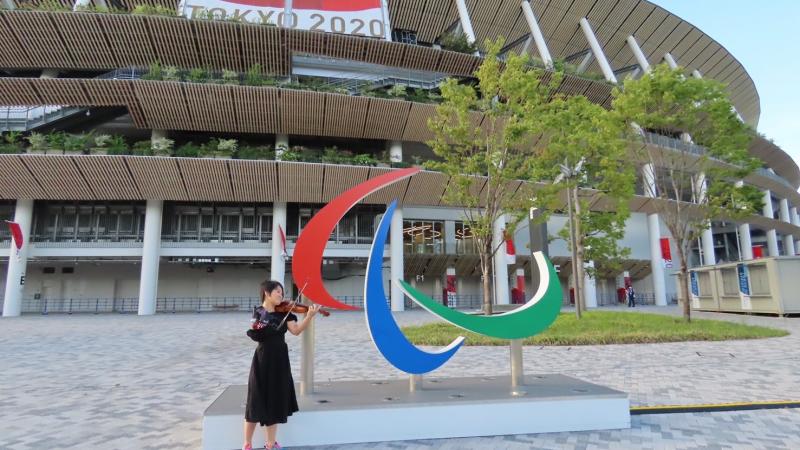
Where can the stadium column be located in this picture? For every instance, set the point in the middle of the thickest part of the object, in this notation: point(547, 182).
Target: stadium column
point(597, 49)
point(670, 61)
point(745, 240)
point(637, 52)
point(277, 262)
point(157, 134)
point(395, 151)
point(654, 232)
point(151, 254)
point(9, 4)
point(788, 239)
point(396, 259)
point(536, 32)
point(590, 286)
point(707, 238)
point(18, 262)
point(500, 264)
point(772, 235)
point(796, 222)
point(466, 22)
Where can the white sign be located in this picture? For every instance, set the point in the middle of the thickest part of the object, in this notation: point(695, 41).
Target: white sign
point(354, 17)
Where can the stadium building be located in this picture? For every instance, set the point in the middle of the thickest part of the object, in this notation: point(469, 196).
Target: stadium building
point(156, 155)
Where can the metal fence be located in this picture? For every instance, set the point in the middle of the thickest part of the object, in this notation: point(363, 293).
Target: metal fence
point(192, 304)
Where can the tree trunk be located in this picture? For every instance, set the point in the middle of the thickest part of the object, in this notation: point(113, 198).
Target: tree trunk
point(683, 276)
point(575, 284)
point(487, 294)
point(579, 251)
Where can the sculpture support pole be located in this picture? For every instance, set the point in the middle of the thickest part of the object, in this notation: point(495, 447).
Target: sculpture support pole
point(414, 383)
point(307, 361)
point(517, 372)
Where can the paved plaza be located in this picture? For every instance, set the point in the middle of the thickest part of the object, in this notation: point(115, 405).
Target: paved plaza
point(129, 382)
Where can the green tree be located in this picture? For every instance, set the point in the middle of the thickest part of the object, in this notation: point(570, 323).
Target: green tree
point(692, 184)
point(583, 151)
point(485, 131)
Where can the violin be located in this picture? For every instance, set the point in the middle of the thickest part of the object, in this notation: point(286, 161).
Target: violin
point(287, 306)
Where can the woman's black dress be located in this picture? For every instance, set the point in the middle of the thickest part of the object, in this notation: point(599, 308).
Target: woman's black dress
point(270, 388)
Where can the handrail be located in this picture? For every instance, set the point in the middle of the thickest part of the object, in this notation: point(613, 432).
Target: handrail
point(26, 118)
point(699, 150)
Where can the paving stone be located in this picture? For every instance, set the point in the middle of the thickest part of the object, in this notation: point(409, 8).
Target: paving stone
point(128, 382)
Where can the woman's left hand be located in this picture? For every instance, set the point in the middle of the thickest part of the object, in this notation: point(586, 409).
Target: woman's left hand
point(312, 311)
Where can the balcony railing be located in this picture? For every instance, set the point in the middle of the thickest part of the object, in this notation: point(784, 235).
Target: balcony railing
point(25, 118)
point(699, 150)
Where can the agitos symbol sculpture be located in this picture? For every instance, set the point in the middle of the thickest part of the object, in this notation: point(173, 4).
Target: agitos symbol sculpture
point(528, 320)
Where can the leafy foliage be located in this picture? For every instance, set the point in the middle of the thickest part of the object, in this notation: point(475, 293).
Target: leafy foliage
point(508, 96)
point(457, 42)
point(579, 133)
point(702, 186)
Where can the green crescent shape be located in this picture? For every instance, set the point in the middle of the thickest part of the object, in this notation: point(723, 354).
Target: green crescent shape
point(528, 320)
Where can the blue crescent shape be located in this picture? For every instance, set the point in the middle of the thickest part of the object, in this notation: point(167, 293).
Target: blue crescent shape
point(383, 329)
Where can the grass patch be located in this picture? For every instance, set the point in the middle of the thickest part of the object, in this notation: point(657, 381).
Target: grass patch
point(604, 327)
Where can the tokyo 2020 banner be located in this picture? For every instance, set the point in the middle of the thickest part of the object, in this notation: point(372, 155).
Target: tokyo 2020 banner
point(527, 320)
point(353, 17)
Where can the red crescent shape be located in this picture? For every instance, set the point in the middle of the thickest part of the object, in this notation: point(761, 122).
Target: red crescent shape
point(307, 258)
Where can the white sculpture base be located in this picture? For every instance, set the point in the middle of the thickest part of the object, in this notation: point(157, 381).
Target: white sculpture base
point(364, 411)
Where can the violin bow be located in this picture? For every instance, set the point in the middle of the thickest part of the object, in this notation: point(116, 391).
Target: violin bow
point(294, 303)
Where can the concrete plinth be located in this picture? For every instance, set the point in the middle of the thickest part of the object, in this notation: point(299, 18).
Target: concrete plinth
point(363, 411)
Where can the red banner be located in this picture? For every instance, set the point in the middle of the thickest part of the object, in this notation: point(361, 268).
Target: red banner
point(758, 251)
point(511, 251)
point(666, 253)
point(16, 233)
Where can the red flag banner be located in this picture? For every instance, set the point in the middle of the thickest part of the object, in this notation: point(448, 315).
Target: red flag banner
point(666, 253)
point(16, 233)
point(284, 252)
point(511, 252)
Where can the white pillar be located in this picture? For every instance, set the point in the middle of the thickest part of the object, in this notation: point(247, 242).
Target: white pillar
point(637, 52)
point(670, 61)
point(654, 234)
point(281, 144)
point(501, 293)
point(597, 49)
point(18, 263)
point(590, 287)
point(157, 134)
point(151, 255)
point(707, 238)
point(396, 259)
point(745, 242)
point(80, 4)
point(9, 4)
point(278, 263)
point(796, 221)
point(396, 151)
point(277, 270)
point(288, 8)
point(788, 240)
point(697, 74)
point(466, 22)
point(49, 73)
point(772, 235)
point(536, 32)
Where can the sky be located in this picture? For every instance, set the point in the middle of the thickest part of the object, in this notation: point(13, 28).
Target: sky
point(763, 36)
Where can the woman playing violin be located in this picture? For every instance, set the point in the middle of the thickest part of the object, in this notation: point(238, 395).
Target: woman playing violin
point(270, 389)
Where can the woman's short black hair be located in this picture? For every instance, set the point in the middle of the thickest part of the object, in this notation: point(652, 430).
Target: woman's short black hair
point(270, 285)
